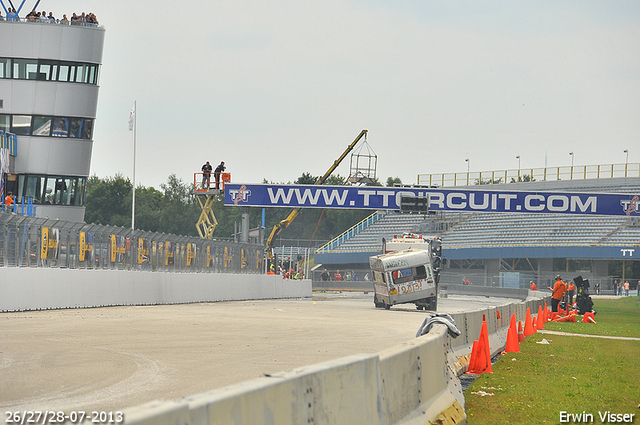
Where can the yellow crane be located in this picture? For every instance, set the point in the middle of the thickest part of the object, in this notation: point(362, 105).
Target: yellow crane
point(294, 213)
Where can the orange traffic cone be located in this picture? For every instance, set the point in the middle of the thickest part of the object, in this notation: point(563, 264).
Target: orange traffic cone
point(520, 332)
point(528, 326)
point(480, 357)
point(474, 356)
point(540, 318)
point(589, 317)
point(568, 318)
point(546, 313)
point(513, 345)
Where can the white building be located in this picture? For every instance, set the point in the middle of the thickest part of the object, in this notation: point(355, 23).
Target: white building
point(49, 75)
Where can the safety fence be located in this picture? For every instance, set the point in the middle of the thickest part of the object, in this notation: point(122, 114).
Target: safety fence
point(577, 172)
point(41, 242)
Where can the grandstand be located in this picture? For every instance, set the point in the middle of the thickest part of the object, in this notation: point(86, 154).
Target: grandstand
point(477, 244)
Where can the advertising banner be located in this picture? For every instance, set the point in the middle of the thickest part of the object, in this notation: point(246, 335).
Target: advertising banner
point(439, 199)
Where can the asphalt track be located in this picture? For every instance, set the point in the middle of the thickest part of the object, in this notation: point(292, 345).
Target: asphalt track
point(106, 359)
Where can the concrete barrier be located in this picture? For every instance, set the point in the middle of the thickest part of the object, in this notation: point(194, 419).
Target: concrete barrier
point(414, 383)
point(40, 288)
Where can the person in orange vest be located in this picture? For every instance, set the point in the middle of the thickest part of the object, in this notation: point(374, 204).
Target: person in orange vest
point(8, 200)
point(558, 291)
point(571, 290)
point(533, 286)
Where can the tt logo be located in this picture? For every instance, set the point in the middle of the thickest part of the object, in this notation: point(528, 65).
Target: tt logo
point(241, 194)
point(626, 251)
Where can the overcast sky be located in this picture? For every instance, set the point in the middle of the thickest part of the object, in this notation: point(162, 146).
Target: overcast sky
point(276, 89)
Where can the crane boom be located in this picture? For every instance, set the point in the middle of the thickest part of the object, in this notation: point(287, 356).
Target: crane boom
point(294, 213)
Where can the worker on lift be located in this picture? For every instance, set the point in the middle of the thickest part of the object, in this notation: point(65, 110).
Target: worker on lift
point(219, 169)
point(206, 175)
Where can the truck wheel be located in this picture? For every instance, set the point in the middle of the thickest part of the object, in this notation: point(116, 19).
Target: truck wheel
point(377, 303)
point(433, 304)
point(387, 306)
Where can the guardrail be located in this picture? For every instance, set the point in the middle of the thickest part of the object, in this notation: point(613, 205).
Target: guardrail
point(577, 172)
point(413, 383)
point(354, 230)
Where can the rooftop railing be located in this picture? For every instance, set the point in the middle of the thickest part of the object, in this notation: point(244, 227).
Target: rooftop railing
point(4, 19)
point(577, 172)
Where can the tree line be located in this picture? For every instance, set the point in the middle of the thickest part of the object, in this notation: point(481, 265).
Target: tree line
point(174, 208)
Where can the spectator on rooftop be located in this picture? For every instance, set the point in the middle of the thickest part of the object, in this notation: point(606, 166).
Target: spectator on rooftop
point(51, 17)
point(12, 15)
point(64, 20)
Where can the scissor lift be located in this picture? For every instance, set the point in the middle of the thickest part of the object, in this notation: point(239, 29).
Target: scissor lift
point(207, 222)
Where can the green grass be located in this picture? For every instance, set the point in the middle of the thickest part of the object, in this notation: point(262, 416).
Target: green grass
point(572, 374)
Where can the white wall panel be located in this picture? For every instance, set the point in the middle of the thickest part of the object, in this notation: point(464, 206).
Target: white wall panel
point(52, 41)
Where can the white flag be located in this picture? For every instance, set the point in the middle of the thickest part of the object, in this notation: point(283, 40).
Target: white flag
point(132, 117)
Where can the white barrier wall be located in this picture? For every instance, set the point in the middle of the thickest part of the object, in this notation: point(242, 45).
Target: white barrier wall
point(40, 288)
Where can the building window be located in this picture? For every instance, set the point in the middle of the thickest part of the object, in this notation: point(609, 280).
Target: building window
point(47, 126)
point(5, 123)
point(53, 190)
point(49, 70)
point(25, 69)
point(21, 125)
point(60, 127)
point(5, 68)
point(41, 126)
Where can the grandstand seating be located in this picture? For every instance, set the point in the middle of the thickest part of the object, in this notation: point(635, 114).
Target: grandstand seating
point(470, 230)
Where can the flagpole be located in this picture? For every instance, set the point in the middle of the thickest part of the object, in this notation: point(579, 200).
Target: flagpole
point(133, 202)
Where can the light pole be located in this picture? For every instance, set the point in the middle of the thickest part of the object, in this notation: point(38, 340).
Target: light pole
point(518, 158)
point(626, 161)
point(467, 161)
point(571, 153)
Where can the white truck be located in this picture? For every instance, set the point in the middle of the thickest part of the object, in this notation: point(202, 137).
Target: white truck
point(408, 272)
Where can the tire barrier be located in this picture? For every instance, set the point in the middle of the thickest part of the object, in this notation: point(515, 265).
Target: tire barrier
point(416, 382)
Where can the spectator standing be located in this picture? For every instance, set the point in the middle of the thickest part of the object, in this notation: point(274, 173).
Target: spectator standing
point(354, 276)
point(325, 276)
point(626, 288)
point(12, 15)
point(597, 288)
point(570, 292)
point(219, 169)
point(533, 286)
point(366, 278)
point(206, 175)
point(64, 20)
point(337, 276)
